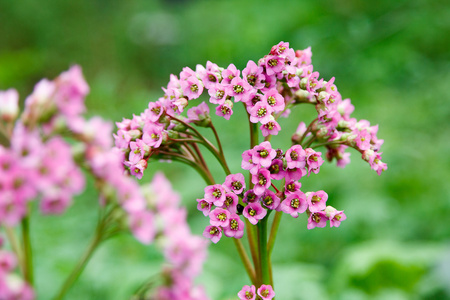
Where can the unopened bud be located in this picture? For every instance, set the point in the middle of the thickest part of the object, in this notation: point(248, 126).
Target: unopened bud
point(9, 105)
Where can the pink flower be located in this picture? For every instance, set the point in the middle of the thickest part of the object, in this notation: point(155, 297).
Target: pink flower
point(270, 200)
point(231, 202)
point(213, 233)
point(217, 94)
point(335, 216)
point(261, 180)
point(238, 88)
point(270, 128)
point(247, 162)
point(204, 206)
point(250, 197)
point(266, 292)
point(316, 201)
point(274, 100)
point(254, 212)
point(274, 64)
point(294, 174)
point(192, 87)
point(235, 183)
point(229, 74)
point(261, 112)
point(294, 204)
point(235, 228)
point(295, 157)
point(199, 115)
point(292, 186)
point(215, 194)
point(263, 154)
point(276, 169)
point(317, 219)
point(142, 226)
point(152, 135)
point(55, 201)
point(225, 110)
point(70, 92)
point(247, 293)
point(219, 217)
point(253, 75)
point(313, 160)
point(154, 111)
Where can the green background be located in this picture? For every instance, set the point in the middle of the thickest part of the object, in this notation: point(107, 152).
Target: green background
point(390, 57)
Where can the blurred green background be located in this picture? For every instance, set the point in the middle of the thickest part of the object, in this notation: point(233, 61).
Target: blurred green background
point(390, 57)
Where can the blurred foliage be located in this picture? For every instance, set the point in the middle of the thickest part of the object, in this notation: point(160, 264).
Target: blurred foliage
point(390, 57)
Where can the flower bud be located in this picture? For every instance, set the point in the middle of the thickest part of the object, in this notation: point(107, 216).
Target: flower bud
point(9, 105)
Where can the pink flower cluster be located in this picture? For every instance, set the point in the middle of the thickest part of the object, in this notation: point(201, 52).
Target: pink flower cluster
point(224, 218)
point(39, 163)
point(265, 292)
point(184, 252)
point(11, 285)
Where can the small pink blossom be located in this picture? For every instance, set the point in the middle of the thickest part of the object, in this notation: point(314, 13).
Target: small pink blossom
point(254, 212)
point(263, 154)
point(247, 293)
point(250, 197)
point(225, 110)
point(335, 216)
point(295, 157)
point(270, 200)
point(204, 206)
point(235, 183)
point(219, 217)
point(270, 128)
point(238, 89)
point(316, 201)
point(142, 226)
point(261, 112)
point(192, 87)
point(317, 219)
point(261, 180)
point(231, 202)
point(294, 204)
point(229, 74)
point(266, 292)
point(215, 194)
point(235, 228)
point(214, 233)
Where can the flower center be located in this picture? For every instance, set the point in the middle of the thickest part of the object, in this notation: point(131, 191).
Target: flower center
point(228, 201)
point(252, 212)
point(316, 218)
point(251, 79)
point(222, 217)
point(238, 89)
point(294, 155)
point(262, 179)
point(194, 88)
point(315, 199)
point(290, 187)
point(262, 112)
point(217, 193)
point(274, 169)
point(295, 203)
point(268, 200)
point(263, 153)
point(273, 62)
point(225, 110)
point(212, 78)
point(271, 100)
point(156, 110)
point(234, 224)
point(213, 231)
point(220, 94)
point(155, 136)
point(236, 185)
